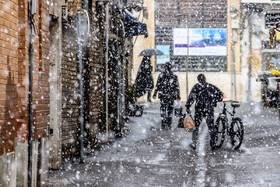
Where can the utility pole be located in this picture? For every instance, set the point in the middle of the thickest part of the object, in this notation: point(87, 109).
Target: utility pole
point(80, 77)
point(250, 57)
point(233, 73)
point(188, 51)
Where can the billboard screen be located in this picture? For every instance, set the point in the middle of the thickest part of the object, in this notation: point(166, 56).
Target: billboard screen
point(202, 42)
point(180, 41)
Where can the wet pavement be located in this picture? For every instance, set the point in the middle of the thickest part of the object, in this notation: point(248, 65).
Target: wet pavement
point(149, 156)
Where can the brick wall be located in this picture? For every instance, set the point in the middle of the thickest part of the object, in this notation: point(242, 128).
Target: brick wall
point(93, 81)
point(41, 87)
point(97, 78)
point(70, 89)
point(14, 36)
point(23, 70)
point(202, 14)
point(40, 67)
point(8, 75)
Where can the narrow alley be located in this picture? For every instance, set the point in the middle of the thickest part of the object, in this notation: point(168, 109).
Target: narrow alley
point(149, 156)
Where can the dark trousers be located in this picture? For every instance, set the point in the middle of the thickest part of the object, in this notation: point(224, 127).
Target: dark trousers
point(149, 95)
point(209, 115)
point(166, 112)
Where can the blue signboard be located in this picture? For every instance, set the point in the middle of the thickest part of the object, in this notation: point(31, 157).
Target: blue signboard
point(162, 59)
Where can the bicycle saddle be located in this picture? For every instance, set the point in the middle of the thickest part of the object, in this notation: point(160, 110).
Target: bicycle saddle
point(235, 104)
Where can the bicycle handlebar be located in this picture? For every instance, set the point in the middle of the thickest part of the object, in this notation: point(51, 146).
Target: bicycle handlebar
point(227, 101)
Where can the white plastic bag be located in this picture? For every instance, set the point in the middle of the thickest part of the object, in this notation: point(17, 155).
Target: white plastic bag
point(177, 104)
point(189, 122)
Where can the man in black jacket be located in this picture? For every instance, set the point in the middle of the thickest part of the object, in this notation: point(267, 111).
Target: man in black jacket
point(206, 97)
point(167, 88)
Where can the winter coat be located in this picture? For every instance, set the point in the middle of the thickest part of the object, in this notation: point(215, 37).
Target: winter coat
point(167, 87)
point(144, 79)
point(206, 96)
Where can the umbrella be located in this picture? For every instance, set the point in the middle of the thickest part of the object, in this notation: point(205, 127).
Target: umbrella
point(150, 52)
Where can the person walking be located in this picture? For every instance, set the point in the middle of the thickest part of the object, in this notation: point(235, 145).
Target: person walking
point(168, 90)
point(206, 97)
point(144, 80)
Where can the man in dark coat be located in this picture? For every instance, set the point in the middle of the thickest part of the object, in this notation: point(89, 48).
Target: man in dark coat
point(206, 97)
point(167, 88)
point(144, 80)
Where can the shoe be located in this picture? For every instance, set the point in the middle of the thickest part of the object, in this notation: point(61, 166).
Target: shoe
point(192, 146)
point(214, 148)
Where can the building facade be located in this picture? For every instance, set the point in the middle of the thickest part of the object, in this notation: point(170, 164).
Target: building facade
point(95, 41)
point(80, 75)
point(249, 49)
point(230, 46)
point(15, 36)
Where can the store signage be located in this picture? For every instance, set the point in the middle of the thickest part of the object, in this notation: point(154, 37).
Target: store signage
point(271, 19)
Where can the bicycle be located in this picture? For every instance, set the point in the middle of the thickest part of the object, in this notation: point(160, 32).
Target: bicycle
point(235, 130)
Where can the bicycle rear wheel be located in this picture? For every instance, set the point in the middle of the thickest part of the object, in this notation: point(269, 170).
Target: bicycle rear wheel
point(220, 126)
point(236, 133)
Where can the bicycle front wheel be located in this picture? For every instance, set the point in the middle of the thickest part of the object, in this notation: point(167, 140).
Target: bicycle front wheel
point(236, 133)
point(220, 127)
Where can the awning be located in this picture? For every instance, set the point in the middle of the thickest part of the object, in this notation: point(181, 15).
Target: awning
point(133, 27)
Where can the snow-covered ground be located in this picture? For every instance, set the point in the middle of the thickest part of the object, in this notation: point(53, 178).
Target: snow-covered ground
point(149, 156)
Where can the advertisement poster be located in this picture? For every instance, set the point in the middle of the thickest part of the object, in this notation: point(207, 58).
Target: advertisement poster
point(180, 41)
point(202, 42)
point(162, 59)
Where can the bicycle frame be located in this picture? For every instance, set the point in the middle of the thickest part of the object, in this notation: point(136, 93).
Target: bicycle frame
point(223, 115)
point(229, 128)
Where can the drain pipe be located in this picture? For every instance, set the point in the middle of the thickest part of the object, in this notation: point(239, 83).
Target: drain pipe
point(121, 82)
point(31, 13)
point(106, 68)
point(85, 5)
point(80, 77)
